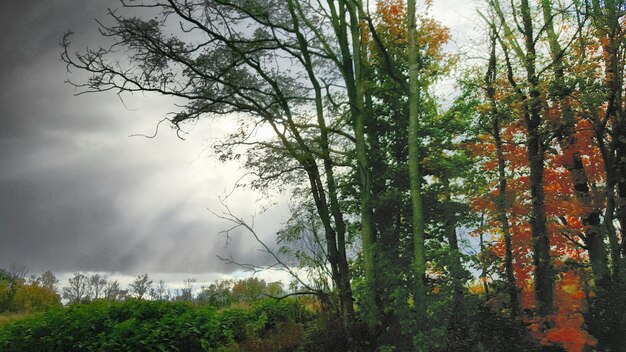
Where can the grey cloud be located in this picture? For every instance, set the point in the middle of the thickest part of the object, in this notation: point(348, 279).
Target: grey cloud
point(76, 193)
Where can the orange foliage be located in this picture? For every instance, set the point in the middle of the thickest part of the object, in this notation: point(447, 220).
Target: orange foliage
point(565, 213)
point(391, 15)
point(567, 324)
point(431, 34)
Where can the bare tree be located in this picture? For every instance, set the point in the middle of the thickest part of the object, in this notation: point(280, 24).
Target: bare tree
point(160, 292)
point(113, 292)
point(140, 286)
point(186, 293)
point(18, 271)
point(97, 284)
point(77, 290)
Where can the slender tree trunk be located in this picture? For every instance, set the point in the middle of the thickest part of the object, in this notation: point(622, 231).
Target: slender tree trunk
point(456, 267)
point(483, 274)
point(419, 260)
point(504, 220)
point(544, 275)
point(368, 237)
point(345, 288)
point(609, 212)
point(501, 202)
point(347, 28)
point(620, 131)
point(621, 171)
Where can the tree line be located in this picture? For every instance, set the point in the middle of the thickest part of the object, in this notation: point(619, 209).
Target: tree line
point(382, 174)
point(39, 293)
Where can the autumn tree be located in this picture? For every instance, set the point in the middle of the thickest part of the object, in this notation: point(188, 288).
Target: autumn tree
point(34, 297)
point(251, 289)
point(521, 46)
point(8, 286)
point(553, 68)
point(600, 61)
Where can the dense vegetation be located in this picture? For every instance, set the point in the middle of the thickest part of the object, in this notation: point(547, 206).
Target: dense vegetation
point(223, 316)
point(385, 176)
point(139, 325)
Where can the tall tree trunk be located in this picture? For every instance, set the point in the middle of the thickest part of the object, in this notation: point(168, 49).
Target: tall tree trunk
point(606, 17)
point(345, 288)
point(544, 273)
point(593, 234)
point(501, 202)
point(344, 15)
point(618, 63)
point(535, 143)
point(504, 220)
point(419, 260)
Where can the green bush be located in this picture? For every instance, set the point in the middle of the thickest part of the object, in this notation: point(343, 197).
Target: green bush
point(155, 326)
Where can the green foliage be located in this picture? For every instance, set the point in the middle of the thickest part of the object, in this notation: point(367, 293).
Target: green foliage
point(138, 325)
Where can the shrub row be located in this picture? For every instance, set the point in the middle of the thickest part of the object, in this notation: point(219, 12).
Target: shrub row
point(155, 326)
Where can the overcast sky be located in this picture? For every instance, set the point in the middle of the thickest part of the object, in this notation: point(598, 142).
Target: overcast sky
point(78, 194)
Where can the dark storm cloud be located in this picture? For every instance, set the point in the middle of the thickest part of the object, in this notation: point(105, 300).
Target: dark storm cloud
point(76, 194)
